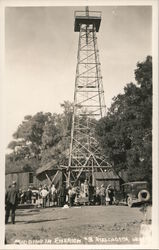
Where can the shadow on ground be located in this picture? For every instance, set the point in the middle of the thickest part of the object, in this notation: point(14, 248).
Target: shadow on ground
point(38, 221)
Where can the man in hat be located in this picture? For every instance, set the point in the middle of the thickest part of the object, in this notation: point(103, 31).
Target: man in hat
point(11, 201)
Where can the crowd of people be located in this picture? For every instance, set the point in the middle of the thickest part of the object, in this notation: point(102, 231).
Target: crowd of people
point(105, 196)
point(43, 196)
point(48, 196)
point(91, 195)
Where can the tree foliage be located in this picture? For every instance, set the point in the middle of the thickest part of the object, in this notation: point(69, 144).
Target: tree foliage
point(126, 132)
point(42, 137)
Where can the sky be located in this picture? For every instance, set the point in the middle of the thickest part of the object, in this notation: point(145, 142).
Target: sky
point(41, 55)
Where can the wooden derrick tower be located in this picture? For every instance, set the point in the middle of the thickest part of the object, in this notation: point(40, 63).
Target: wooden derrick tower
point(85, 156)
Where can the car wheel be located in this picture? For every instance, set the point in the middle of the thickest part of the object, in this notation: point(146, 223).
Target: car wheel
point(129, 202)
point(144, 195)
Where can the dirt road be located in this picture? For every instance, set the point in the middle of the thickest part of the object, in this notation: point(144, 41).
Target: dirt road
point(76, 225)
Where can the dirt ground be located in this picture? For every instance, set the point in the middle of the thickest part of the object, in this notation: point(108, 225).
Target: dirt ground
point(76, 225)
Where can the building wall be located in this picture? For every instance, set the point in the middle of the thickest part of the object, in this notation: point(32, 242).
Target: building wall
point(22, 180)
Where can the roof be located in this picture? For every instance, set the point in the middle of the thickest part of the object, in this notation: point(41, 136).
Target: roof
point(18, 169)
point(108, 174)
point(50, 166)
point(22, 166)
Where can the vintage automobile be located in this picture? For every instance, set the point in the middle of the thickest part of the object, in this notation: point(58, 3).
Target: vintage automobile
point(133, 193)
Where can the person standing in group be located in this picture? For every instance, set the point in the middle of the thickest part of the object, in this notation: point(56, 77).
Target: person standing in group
point(61, 193)
point(54, 195)
point(11, 201)
point(44, 194)
point(19, 196)
point(102, 195)
point(107, 198)
point(49, 196)
point(23, 197)
point(72, 195)
point(97, 196)
point(29, 195)
point(86, 188)
point(39, 202)
point(111, 195)
point(91, 194)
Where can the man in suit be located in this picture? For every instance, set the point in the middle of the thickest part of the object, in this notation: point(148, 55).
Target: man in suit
point(11, 201)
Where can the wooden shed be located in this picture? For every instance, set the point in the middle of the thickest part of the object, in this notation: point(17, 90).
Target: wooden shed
point(24, 177)
point(106, 178)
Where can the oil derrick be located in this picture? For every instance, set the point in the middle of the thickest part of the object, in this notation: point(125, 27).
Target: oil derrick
point(85, 156)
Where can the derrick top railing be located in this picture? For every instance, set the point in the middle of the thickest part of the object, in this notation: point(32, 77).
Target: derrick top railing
point(90, 14)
